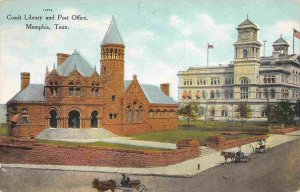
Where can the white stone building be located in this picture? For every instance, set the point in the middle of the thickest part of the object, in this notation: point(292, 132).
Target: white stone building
point(251, 78)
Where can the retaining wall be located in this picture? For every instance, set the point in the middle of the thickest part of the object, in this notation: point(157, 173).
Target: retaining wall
point(95, 156)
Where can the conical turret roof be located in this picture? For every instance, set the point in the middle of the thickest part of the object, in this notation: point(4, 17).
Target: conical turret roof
point(112, 35)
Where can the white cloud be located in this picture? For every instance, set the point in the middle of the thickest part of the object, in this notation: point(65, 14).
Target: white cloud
point(180, 24)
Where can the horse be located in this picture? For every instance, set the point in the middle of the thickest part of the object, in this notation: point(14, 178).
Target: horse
point(102, 186)
point(228, 155)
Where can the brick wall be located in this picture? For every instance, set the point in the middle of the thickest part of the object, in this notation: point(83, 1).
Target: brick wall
point(96, 156)
point(219, 142)
point(283, 131)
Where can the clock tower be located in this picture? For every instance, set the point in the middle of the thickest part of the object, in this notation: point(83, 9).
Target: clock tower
point(246, 61)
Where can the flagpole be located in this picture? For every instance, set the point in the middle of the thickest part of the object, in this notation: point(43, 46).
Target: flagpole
point(293, 41)
point(207, 53)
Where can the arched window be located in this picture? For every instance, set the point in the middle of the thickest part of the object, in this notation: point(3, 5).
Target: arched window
point(244, 88)
point(140, 114)
point(224, 113)
point(150, 112)
point(74, 119)
point(263, 112)
point(231, 94)
point(202, 111)
point(134, 112)
point(226, 94)
point(272, 94)
point(212, 112)
point(197, 95)
point(190, 95)
point(212, 94)
point(25, 116)
point(218, 95)
point(158, 113)
point(94, 119)
point(204, 94)
point(78, 89)
point(97, 91)
point(55, 93)
point(266, 93)
point(53, 119)
point(93, 89)
point(245, 53)
point(71, 88)
point(51, 88)
point(128, 114)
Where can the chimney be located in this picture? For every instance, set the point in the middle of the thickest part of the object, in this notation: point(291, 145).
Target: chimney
point(165, 88)
point(25, 80)
point(61, 57)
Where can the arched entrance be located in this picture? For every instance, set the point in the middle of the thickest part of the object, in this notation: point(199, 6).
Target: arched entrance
point(74, 119)
point(94, 119)
point(53, 119)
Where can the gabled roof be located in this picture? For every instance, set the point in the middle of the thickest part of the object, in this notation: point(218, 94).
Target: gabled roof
point(280, 41)
point(112, 35)
point(247, 22)
point(34, 93)
point(153, 93)
point(75, 62)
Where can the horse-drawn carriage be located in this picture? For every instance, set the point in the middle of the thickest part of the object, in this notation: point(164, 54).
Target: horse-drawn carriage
point(126, 185)
point(238, 157)
point(261, 148)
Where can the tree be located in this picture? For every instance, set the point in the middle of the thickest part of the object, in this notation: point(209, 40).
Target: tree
point(271, 111)
point(189, 111)
point(243, 110)
point(297, 108)
point(284, 112)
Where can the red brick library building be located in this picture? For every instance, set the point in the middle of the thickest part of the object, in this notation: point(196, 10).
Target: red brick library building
point(74, 95)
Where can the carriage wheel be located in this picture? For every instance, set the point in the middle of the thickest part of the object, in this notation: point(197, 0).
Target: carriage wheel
point(140, 188)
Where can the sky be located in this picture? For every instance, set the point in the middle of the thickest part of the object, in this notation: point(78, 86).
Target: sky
point(161, 37)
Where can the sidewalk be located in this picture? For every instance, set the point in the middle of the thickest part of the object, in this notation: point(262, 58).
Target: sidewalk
point(209, 158)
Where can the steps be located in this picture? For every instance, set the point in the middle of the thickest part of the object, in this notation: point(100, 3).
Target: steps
point(205, 151)
point(84, 135)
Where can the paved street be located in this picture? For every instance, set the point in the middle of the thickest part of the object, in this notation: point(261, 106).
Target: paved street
point(276, 171)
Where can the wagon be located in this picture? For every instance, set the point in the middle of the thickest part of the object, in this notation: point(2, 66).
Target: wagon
point(131, 186)
point(241, 158)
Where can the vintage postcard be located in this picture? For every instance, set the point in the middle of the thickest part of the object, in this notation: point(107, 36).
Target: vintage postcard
point(156, 96)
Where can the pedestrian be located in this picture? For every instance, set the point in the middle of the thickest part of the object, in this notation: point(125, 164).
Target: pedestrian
point(198, 165)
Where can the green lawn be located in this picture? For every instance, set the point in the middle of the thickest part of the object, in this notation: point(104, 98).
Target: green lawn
point(99, 144)
point(202, 131)
point(3, 129)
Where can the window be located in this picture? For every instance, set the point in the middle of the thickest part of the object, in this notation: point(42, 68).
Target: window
point(226, 94)
point(269, 79)
point(266, 93)
point(244, 88)
point(150, 113)
point(245, 53)
point(71, 88)
point(263, 112)
point(134, 112)
point(218, 95)
point(128, 114)
point(212, 112)
point(197, 95)
point(25, 116)
point(212, 94)
point(190, 95)
point(204, 94)
point(272, 92)
point(78, 89)
point(140, 114)
point(224, 113)
point(113, 98)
